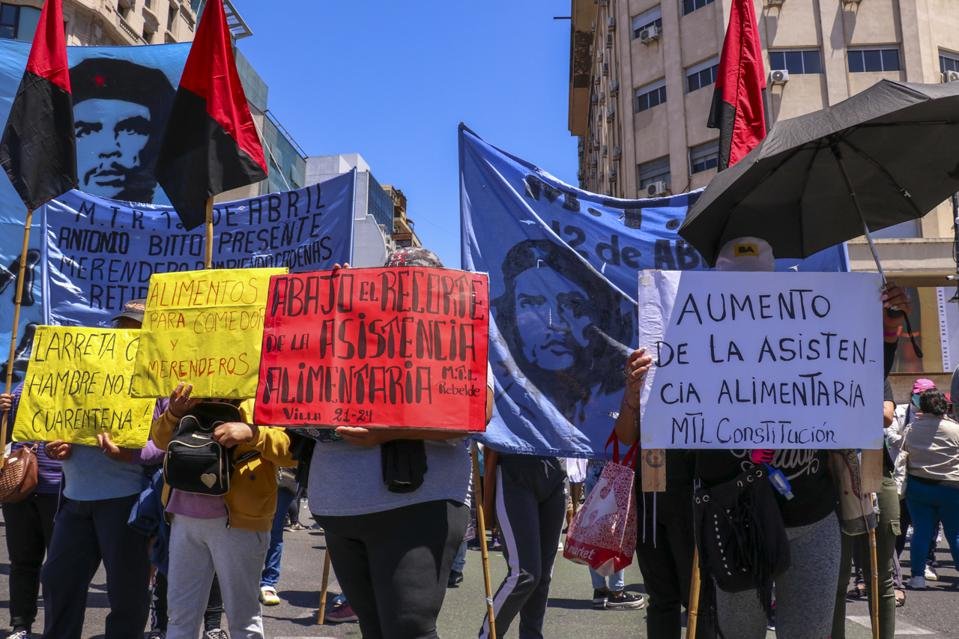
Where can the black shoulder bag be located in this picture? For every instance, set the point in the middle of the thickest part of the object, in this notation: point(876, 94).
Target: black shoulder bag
point(194, 461)
point(740, 534)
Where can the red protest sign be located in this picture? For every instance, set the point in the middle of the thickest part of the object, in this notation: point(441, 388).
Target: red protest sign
point(375, 347)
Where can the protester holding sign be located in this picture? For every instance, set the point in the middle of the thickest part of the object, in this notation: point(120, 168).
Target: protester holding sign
point(29, 527)
point(806, 507)
point(392, 544)
point(100, 487)
point(226, 535)
point(664, 544)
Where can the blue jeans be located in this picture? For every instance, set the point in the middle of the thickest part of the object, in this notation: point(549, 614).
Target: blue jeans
point(271, 568)
point(927, 503)
point(459, 561)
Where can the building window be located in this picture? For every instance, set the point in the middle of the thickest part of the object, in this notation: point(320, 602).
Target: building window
point(701, 75)
point(651, 18)
point(18, 23)
point(653, 171)
point(704, 157)
point(948, 61)
point(691, 5)
point(171, 18)
point(862, 60)
point(650, 95)
point(796, 60)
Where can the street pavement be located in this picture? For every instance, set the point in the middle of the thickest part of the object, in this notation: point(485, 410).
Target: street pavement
point(932, 614)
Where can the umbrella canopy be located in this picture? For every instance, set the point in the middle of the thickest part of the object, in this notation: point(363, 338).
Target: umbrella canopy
point(894, 148)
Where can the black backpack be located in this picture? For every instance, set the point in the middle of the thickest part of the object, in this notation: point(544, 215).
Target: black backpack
point(194, 461)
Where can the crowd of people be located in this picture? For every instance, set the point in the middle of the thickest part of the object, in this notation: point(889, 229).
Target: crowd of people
point(396, 512)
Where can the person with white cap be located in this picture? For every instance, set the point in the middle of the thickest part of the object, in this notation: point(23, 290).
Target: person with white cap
point(804, 608)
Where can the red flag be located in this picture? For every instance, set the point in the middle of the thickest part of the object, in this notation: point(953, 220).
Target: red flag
point(737, 109)
point(210, 145)
point(38, 148)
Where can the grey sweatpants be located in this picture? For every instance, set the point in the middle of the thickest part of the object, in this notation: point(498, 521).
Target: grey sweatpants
point(530, 509)
point(805, 594)
point(200, 547)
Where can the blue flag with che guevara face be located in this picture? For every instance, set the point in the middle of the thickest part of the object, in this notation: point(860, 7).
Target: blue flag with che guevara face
point(563, 265)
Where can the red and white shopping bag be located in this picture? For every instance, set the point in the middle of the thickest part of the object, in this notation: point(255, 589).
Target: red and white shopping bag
point(603, 533)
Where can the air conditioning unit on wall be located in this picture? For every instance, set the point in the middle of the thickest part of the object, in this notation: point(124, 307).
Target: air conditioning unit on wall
point(650, 34)
point(778, 77)
point(655, 189)
point(950, 76)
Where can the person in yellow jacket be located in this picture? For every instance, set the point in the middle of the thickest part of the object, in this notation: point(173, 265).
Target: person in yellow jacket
point(225, 535)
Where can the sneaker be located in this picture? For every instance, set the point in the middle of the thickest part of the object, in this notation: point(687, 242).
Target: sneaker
point(154, 634)
point(456, 578)
point(931, 574)
point(599, 599)
point(19, 634)
point(341, 611)
point(216, 633)
point(623, 600)
point(917, 583)
point(268, 596)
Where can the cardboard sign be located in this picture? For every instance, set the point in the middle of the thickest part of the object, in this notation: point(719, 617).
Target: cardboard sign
point(761, 360)
point(203, 328)
point(387, 347)
point(78, 385)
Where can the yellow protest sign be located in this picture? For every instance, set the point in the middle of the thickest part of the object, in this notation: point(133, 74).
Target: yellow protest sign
point(204, 328)
point(78, 385)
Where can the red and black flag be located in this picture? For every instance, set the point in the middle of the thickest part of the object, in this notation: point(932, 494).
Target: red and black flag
point(737, 109)
point(38, 150)
point(210, 145)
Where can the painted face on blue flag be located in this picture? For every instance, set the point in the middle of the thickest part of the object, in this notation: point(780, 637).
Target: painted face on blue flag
point(120, 110)
point(552, 314)
point(111, 138)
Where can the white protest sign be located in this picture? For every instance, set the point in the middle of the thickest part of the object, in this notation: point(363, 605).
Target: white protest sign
point(761, 360)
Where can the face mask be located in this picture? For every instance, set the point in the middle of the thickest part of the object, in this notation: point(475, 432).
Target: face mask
point(915, 400)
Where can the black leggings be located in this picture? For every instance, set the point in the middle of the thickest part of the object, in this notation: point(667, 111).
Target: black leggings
point(29, 529)
point(393, 565)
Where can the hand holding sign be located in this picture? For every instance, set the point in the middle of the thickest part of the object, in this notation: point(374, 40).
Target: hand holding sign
point(180, 401)
point(58, 450)
point(637, 366)
point(113, 451)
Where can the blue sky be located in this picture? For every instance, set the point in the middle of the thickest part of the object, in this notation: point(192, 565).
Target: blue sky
point(392, 80)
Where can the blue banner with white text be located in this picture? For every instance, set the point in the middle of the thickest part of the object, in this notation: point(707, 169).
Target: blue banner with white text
point(89, 255)
point(563, 268)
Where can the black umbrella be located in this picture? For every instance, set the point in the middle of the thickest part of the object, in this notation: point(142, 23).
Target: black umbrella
point(884, 156)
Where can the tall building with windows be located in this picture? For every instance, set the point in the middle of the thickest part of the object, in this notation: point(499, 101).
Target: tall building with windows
point(379, 212)
point(641, 84)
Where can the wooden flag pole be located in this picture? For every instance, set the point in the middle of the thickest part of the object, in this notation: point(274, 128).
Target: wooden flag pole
point(208, 258)
point(874, 585)
point(695, 584)
point(17, 300)
point(481, 533)
point(324, 587)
